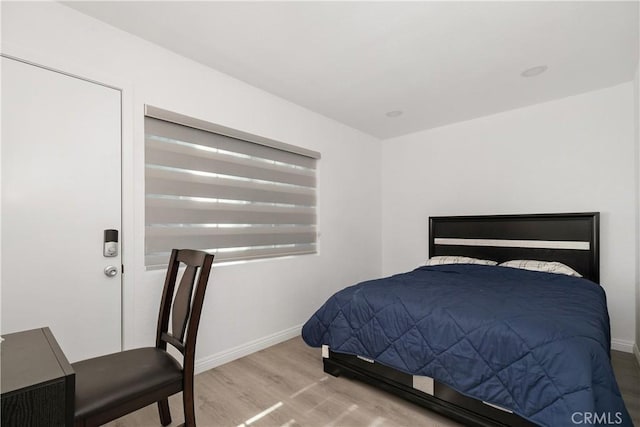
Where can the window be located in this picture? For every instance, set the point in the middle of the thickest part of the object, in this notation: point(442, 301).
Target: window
point(235, 195)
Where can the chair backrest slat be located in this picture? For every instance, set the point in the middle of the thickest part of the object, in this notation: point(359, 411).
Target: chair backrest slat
point(185, 314)
point(182, 303)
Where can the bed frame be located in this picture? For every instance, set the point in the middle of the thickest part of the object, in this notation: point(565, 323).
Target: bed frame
point(571, 238)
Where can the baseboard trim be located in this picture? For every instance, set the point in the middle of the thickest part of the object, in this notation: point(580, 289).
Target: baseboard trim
point(246, 349)
point(226, 356)
point(622, 345)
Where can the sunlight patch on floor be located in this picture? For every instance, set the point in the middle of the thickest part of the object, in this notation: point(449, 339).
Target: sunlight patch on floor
point(377, 422)
point(346, 413)
point(302, 390)
point(261, 415)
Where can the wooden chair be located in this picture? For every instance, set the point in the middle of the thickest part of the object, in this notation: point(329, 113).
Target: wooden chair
point(108, 387)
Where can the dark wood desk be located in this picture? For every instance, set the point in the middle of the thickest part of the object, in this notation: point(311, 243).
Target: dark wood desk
point(37, 381)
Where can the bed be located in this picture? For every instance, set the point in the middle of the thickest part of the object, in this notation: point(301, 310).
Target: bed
point(485, 345)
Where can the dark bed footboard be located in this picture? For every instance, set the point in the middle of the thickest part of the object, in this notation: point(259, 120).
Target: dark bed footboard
point(445, 400)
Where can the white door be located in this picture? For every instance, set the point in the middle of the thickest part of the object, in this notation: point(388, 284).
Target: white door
point(61, 188)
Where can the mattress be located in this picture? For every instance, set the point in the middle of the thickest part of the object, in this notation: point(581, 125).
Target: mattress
point(534, 343)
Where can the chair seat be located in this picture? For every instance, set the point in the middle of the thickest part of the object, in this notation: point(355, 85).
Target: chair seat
point(109, 381)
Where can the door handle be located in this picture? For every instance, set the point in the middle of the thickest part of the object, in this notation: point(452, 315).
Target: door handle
point(110, 271)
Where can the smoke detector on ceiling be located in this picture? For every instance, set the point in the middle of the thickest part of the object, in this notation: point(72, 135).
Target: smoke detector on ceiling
point(534, 71)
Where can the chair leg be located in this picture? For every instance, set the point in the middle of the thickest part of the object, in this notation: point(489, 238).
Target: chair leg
point(188, 404)
point(163, 410)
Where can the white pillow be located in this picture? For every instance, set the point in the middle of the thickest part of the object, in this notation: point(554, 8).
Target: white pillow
point(544, 266)
point(439, 260)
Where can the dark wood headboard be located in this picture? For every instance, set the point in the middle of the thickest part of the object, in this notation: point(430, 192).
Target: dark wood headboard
point(569, 238)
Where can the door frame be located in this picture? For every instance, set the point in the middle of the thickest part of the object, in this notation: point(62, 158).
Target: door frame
point(129, 153)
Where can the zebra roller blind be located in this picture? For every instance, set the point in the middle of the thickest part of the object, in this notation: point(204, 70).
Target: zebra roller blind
point(223, 193)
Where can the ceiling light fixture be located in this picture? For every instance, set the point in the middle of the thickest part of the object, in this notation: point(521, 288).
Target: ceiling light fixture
point(394, 113)
point(534, 71)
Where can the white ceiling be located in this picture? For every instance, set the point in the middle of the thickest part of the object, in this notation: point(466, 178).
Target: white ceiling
point(438, 62)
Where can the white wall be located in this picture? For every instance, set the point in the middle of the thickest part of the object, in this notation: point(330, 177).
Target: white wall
point(636, 119)
point(575, 154)
point(636, 348)
point(571, 155)
point(250, 305)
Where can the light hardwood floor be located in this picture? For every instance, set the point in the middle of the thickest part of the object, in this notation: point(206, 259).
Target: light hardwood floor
point(628, 376)
point(285, 385)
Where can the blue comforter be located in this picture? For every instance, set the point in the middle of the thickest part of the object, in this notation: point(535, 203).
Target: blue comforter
point(535, 343)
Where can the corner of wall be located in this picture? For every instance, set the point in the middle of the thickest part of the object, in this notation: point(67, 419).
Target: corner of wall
point(636, 112)
point(380, 209)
